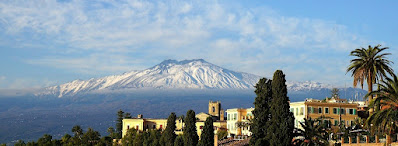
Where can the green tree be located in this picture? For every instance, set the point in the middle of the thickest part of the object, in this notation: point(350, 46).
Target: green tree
point(190, 135)
point(119, 123)
point(151, 137)
point(261, 112)
point(169, 135)
point(335, 93)
point(370, 65)
point(179, 141)
point(66, 139)
point(221, 134)
point(128, 139)
point(91, 137)
point(20, 143)
point(138, 140)
point(78, 133)
point(314, 132)
point(207, 136)
point(45, 140)
point(112, 133)
point(281, 125)
point(105, 141)
point(33, 143)
point(127, 116)
point(387, 117)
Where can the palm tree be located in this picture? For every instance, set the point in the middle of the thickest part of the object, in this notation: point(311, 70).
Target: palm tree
point(387, 117)
point(241, 125)
point(370, 65)
point(314, 133)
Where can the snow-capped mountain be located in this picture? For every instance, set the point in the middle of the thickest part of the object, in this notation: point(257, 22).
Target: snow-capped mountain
point(307, 85)
point(192, 74)
point(172, 74)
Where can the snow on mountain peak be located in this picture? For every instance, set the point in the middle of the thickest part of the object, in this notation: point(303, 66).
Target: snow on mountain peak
point(173, 74)
point(306, 85)
point(188, 74)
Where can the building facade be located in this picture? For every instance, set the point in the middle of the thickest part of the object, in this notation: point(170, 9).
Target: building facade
point(238, 121)
point(143, 124)
point(335, 111)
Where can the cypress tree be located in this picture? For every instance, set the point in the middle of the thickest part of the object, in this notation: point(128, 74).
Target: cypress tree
point(282, 121)
point(119, 124)
point(207, 136)
point(261, 112)
point(190, 135)
point(169, 135)
point(179, 141)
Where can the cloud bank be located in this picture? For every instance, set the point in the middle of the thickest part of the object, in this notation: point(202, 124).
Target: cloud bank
point(115, 36)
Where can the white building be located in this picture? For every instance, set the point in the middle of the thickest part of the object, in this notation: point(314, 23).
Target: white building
point(238, 121)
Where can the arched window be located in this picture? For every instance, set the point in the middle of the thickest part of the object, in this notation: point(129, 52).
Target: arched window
point(214, 109)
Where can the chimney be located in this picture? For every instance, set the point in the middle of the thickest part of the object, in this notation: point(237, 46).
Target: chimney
point(140, 116)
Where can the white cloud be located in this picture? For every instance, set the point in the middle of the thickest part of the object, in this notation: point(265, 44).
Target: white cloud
point(118, 36)
point(94, 64)
point(24, 83)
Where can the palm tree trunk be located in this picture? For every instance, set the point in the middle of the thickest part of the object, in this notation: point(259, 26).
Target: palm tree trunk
point(370, 89)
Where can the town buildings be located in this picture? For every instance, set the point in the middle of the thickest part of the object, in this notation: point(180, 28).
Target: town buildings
point(335, 111)
point(143, 124)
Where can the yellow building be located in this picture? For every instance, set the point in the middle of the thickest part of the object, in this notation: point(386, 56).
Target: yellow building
point(144, 124)
point(237, 121)
point(339, 110)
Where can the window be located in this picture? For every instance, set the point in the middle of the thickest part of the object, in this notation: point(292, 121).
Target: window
point(320, 110)
point(128, 127)
point(343, 122)
point(326, 110)
point(335, 111)
point(229, 117)
point(296, 111)
point(235, 115)
point(136, 127)
point(351, 111)
point(310, 109)
point(336, 122)
point(214, 109)
point(292, 110)
point(342, 111)
point(301, 111)
point(153, 126)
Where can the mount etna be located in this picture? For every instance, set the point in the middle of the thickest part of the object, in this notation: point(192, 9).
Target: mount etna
point(171, 86)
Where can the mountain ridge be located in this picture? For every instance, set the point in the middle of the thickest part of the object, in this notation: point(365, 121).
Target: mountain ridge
point(173, 74)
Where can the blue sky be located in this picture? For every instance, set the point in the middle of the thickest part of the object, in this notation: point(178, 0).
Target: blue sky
point(45, 43)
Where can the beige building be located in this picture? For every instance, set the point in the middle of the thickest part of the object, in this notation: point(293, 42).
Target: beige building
point(238, 121)
point(144, 124)
point(335, 109)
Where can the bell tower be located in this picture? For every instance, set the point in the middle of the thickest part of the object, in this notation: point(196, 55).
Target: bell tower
point(215, 109)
